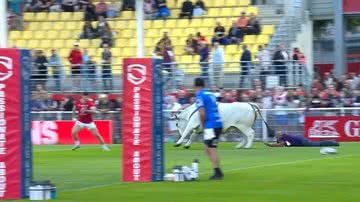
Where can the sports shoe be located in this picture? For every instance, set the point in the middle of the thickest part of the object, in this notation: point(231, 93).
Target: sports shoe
point(105, 148)
point(76, 147)
point(216, 177)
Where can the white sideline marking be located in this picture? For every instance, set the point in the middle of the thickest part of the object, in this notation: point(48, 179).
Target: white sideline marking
point(68, 149)
point(229, 170)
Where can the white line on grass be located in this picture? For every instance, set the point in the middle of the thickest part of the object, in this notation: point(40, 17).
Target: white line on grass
point(229, 170)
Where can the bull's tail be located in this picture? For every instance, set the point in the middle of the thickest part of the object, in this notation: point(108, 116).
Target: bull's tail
point(257, 111)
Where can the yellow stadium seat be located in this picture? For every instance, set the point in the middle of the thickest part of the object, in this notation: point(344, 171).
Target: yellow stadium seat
point(95, 43)
point(244, 2)
point(152, 33)
point(116, 52)
point(213, 12)
point(93, 52)
point(183, 23)
point(209, 3)
point(53, 16)
point(186, 59)
point(59, 26)
point(127, 14)
point(190, 31)
point(249, 39)
point(177, 32)
point(177, 42)
point(263, 39)
point(52, 34)
point(252, 9)
point(223, 21)
point(70, 43)
point(65, 34)
point(131, 42)
point(179, 50)
point(170, 23)
point(205, 30)
point(268, 29)
point(33, 44)
point(131, 24)
point(148, 24)
point(64, 52)
point(20, 43)
point(84, 43)
point(158, 24)
point(231, 49)
point(208, 22)
point(121, 24)
point(45, 44)
point(175, 13)
point(58, 44)
point(179, 4)
point(42, 16)
point(71, 25)
point(219, 3)
point(226, 12)
point(128, 52)
point(149, 42)
point(78, 16)
point(171, 4)
point(149, 50)
point(40, 35)
point(120, 43)
point(33, 26)
point(195, 23)
point(127, 33)
point(46, 25)
point(66, 16)
point(27, 35)
point(254, 50)
point(29, 16)
point(15, 35)
point(232, 3)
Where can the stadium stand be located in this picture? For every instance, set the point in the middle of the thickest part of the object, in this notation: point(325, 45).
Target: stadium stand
point(48, 30)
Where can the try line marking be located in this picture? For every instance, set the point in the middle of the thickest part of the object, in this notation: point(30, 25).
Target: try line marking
point(228, 170)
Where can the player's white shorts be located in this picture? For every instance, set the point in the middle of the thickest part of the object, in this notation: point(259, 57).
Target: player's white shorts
point(85, 125)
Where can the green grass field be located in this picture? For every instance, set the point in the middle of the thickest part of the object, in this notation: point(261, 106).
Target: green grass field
point(254, 175)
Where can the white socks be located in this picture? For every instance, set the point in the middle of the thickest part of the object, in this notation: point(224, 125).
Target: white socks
point(77, 143)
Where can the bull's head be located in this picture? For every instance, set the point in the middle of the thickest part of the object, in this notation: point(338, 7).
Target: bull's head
point(186, 122)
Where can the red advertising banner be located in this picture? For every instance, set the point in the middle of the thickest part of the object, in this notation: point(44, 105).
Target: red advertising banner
point(59, 132)
point(10, 125)
point(351, 6)
point(340, 128)
point(137, 120)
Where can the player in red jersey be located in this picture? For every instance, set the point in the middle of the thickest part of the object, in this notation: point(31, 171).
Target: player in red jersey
point(85, 108)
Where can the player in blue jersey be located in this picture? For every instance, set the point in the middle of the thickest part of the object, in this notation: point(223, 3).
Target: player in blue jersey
point(211, 122)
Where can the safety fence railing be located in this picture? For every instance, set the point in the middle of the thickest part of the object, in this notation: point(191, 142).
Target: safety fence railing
point(230, 75)
point(287, 120)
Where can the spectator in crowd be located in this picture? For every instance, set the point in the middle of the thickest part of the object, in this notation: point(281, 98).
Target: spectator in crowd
point(163, 10)
point(253, 26)
point(90, 14)
point(40, 69)
point(168, 62)
point(55, 6)
point(280, 59)
point(89, 32)
point(204, 61)
point(114, 9)
point(75, 59)
point(67, 105)
point(245, 64)
point(199, 8)
point(191, 47)
point(102, 25)
point(186, 9)
point(32, 6)
point(165, 40)
point(298, 57)
point(103, 106)
point(106, 37)
point(182, 98)
point(57, 69)
point(149, 10)
point(234, 35)
point(267, 100)
point(242, 23)
point(84, 3)
point(16, 6)
point(328, 79)
point(69, 5)
point(106, 57)
point(90, 72)
point(264, 58)
point(128, 5)
point(101, 9)
point(44, 5)
point(157, 51)
point(200, 38)
point(35, 102)
point(15, 21)
point(219, 35)
point(218, 59)
point(116, 104)
point(49, 103)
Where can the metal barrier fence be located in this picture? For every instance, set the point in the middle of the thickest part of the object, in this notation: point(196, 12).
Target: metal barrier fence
point(230, 75)
point(285, 120)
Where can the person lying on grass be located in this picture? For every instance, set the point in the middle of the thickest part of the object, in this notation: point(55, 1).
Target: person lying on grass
point(286, 140)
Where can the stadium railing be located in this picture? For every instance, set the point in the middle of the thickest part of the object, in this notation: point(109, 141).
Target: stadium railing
point(175, 75)
point(288, 120)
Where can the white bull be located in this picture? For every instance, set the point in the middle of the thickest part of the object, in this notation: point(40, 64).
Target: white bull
point(239, 115)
